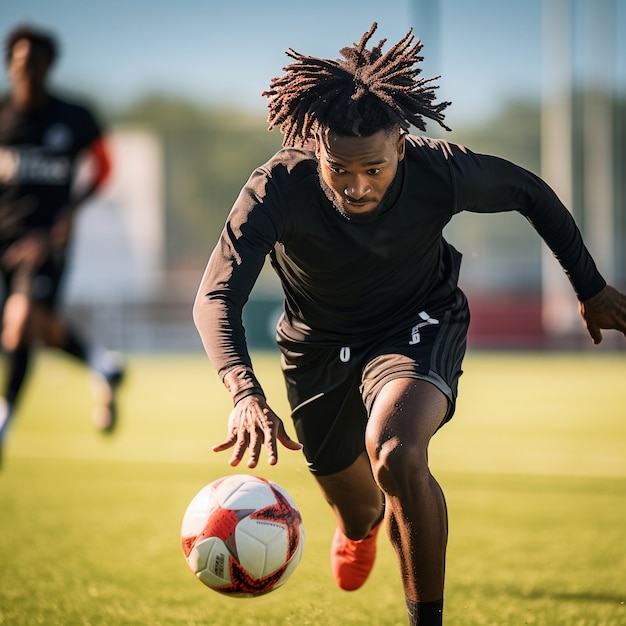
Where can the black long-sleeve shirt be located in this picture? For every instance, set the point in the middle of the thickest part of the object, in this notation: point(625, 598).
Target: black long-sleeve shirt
point(350, 278)
point(39, 152)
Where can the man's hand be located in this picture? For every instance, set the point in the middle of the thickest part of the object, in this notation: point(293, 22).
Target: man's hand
point(251, 425)
point(30, 250)
point(606, 310)
point(62, 229)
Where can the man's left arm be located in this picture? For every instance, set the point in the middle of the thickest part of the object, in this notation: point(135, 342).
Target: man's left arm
point(97, 154)
point(497, 185)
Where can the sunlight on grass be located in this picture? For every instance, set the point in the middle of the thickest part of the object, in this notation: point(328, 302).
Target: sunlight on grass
point(546, 414)
point(533, 466)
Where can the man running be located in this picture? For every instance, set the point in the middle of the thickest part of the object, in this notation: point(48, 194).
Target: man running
point(351, 213)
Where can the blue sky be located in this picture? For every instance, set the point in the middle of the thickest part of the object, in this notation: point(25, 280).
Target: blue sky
point(227, 51)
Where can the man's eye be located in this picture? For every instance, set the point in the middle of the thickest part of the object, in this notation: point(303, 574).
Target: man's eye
point(336, 170)
point(374, 171)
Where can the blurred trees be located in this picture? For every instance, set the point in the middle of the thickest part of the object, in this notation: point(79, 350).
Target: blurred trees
point(208, 155)
point(210, 152)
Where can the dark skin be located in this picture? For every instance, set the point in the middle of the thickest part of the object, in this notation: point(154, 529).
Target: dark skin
point(406, 413)
point(606, 310)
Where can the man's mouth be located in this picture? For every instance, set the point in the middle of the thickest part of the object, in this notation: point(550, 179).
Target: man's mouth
point(357, 203)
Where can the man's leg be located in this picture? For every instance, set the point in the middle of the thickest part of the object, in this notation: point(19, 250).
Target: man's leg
point(357, 504)
point(15, 322)
point(354, 497)
point(107, 366)
point(405, 415)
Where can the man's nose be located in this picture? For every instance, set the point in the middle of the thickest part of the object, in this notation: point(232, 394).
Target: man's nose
point(357, 188)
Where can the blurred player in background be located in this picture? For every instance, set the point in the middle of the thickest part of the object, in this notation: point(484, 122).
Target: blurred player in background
point(351, 213)
point(43, 141)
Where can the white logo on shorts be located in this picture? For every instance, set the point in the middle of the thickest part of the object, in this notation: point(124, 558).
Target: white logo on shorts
point(415, 331)
point(344, 355)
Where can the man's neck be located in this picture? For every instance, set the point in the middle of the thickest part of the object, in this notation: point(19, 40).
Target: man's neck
point(26, 97)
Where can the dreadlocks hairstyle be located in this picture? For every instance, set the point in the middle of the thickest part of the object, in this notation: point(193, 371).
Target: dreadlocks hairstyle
point(358, 95)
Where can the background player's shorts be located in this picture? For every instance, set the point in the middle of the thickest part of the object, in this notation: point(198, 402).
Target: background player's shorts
point(331, 389)
point(42, 284)
point(48, 280)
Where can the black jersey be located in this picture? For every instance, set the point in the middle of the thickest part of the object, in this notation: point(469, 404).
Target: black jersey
point(38, 157)
point(349, 279)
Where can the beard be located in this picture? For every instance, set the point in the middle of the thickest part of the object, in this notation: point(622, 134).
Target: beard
point(386, 202)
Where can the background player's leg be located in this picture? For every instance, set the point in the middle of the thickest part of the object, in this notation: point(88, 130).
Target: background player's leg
point(15, 329)
point(107, 366)
point(18, 362)
point(15, 321)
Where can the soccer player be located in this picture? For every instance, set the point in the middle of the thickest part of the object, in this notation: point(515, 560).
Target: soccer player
point(42, 142)
point(351, 213)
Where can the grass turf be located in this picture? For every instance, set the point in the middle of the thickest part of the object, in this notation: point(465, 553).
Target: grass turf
point(533, 466)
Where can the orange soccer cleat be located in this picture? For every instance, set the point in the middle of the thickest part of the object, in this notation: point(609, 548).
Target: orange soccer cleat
point(352, 561)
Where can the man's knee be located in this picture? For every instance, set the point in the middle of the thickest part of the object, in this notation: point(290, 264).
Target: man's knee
point(17, 311)
point(404, 417)
point(398, 465)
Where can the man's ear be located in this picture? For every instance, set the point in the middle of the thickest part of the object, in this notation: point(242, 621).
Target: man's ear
point(401, 147)
point(318, 141)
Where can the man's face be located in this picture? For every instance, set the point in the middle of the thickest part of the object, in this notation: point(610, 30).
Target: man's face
point(28, 62)
point(359, 170)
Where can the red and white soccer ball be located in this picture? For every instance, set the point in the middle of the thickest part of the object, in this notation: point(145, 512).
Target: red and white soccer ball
point(242, 535)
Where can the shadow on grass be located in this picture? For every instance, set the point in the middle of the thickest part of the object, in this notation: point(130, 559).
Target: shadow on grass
point(573, 596)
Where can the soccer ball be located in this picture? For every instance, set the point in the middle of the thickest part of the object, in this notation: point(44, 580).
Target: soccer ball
point(242, 535)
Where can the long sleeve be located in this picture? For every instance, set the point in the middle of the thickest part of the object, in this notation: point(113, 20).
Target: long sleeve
point(488, 184)
point(233, 268)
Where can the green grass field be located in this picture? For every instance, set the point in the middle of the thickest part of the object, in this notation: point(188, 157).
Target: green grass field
point(533, 467)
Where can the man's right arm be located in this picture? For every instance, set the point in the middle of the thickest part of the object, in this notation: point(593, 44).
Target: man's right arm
point(233, 268)
point(226, 284)
point(217, 313)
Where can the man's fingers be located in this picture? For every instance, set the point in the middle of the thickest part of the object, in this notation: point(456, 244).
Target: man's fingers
point(287, 441)
point(220, 447)
point(253, 428)
point(241, 445)
point(596, 334)
point(290, 444)
point(254, 449)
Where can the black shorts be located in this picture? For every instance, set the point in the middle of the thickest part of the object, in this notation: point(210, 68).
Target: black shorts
point(42, 284)
point(331, 389)
point(49, 279)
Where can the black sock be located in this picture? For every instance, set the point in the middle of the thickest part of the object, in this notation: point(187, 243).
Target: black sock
point(425, 613)
point(17, 368)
